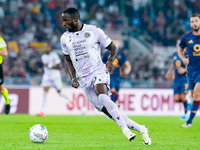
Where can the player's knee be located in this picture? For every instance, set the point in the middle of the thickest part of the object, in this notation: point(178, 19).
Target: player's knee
point(183, 99)
point(106, 101)
point(113, 90)
point(196, 95)
point(103, 97)
point(177, 100)
point(46, 89)
point(101, 89)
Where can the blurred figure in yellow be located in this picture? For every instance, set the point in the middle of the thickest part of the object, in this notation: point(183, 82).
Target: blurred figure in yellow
point(4, 91)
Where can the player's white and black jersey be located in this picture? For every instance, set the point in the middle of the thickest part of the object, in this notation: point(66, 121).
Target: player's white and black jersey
point(84, 48)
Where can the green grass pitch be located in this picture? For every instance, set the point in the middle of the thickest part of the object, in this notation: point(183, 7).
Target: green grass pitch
point(96, 133)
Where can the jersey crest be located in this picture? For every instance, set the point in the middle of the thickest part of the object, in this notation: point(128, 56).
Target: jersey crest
point(119, 56)
point(87, 34)
point(175, 58)
point(178, 63)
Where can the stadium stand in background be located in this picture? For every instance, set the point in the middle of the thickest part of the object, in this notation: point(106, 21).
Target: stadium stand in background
point(147, 29)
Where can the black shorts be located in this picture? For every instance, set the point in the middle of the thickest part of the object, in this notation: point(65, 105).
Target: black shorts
point(1, 74)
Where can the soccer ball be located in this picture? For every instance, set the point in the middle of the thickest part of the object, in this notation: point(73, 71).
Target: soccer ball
point(38, 133)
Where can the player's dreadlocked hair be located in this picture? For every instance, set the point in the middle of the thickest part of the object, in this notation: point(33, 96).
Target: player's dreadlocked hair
point(195, 15)
point(72, 12)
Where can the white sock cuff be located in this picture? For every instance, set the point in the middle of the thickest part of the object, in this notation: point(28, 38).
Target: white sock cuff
point(125, 129)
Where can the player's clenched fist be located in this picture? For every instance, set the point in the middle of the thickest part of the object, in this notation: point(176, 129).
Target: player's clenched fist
point(185, 61)
point(75, 83)
point(110, 67)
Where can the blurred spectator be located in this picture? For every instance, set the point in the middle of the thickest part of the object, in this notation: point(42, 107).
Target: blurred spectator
point(159, 22)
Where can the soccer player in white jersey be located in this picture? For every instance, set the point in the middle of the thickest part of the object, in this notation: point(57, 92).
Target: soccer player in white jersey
point(81, 45)
point(52, 76)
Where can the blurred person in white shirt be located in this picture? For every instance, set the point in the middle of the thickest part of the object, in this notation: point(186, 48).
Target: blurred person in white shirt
point(52, 76)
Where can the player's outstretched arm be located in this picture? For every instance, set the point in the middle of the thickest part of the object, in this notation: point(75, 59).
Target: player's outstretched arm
point(181, 55)
point(72, 71)
point(113, 53)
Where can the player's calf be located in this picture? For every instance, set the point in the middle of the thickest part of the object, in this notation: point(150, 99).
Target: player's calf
point(7, 101)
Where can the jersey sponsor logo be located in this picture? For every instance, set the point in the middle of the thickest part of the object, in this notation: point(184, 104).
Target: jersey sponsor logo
point(190, 42)
point(174, 57)
point(196, 53)
point(3, 44)
point(87, 34)
point(178, 63)
point(196, 47)
point(196, 50)
point(119, 56)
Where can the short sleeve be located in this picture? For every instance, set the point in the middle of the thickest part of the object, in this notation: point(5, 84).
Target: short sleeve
point(103, 39)
point(57, 59)
point(2, 44)
point(63, 46)
point(183, 42)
